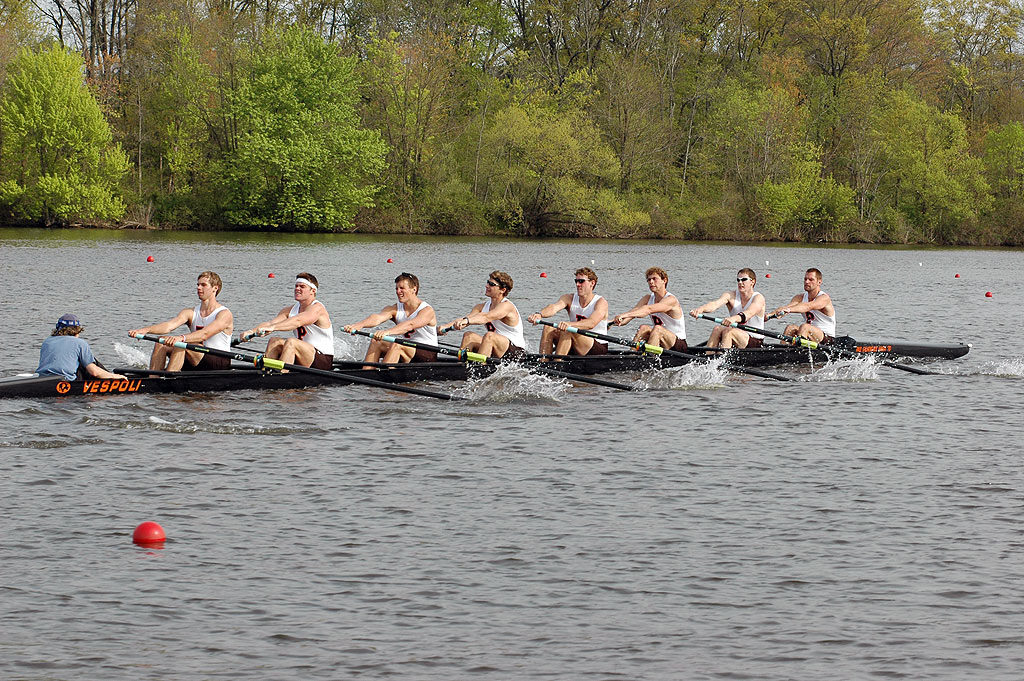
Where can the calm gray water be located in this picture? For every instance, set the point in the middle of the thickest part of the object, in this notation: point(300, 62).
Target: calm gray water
point(858, 523)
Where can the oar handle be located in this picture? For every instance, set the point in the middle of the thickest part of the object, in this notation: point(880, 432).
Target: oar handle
point(792, 340)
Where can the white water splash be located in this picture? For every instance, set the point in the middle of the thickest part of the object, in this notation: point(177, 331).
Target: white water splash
point(1012, 367)
point(850, 370)
point(514, 383)
point(131, 355)
point(691, 376)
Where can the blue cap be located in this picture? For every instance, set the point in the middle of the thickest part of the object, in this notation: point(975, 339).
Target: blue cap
point(68, 320)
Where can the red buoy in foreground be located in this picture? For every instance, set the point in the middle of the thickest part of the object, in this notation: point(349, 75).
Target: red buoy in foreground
point(767, 276)
point(544, 274)
point(956, 276)
point(149, 533)
point(390, 260)
point(149, 259)
point(988, 294)
point(270, 276)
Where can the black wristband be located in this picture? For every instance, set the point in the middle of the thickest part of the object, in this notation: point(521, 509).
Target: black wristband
point(743, 317)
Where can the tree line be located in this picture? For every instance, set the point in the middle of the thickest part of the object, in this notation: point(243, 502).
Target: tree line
point(797, 120)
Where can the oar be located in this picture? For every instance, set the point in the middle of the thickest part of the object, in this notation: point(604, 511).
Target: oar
point(657, 350)
point(813, 345)
point(467, 356)
point(262, 362)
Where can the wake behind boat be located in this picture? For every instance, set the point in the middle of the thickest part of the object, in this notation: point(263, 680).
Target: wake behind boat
point(145, 381)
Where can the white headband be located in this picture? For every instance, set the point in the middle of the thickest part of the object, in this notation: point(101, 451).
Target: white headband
point(307, 282)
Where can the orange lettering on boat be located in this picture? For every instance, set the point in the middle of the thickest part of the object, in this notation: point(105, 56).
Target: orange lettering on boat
point(63, 387)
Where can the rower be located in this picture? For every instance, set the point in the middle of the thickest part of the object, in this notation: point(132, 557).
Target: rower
point(587, 311)
point(668, 323)
point(819, 314)
point(209, 323)
point(65, 354)
point(504, 336)
point(312, 340)
point(745, 306)
point(413, 318)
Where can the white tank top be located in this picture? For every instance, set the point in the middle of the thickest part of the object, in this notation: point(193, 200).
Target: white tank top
point(513, 333)
point(218, 341)
point(676, 326)
point(820, 319)
point(320, 338)
point(577, 313)
point(425, 334)
point(738, 307)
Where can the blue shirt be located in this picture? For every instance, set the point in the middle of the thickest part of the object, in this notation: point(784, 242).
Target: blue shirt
point(63, 355)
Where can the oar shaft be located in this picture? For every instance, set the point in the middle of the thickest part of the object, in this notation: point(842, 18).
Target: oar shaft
point(265, 362)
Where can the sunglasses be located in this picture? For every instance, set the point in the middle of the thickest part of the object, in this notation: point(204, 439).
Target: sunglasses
point(491, 282)
point(740, 280)
point(581, 281)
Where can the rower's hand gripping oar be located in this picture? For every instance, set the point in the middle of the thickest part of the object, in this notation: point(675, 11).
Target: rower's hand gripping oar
point(261, 362)
point(467, 356)
point(813, 345)
point(658, 350)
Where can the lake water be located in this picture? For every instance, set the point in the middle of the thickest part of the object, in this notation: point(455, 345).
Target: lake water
point(860, 522)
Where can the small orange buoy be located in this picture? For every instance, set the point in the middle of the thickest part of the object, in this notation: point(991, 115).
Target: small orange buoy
point(149, 533)
point(390, 260)
point(544, 275)
point(270, 276)
point(988, 294)
point(149, 259)
point(956, 276)
point(767, 276)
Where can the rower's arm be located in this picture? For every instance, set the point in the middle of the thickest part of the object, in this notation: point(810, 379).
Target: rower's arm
point(552, 309)
point(499, 311)
point(464, 321)
point(711, 305)
point(161, 328)
point(634, 312)
point(96, 371)
point(819, 303)
point(373, 320)
point(270, 323)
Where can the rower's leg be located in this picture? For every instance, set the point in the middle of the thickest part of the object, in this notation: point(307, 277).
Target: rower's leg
point(274, 348)
point(399, 353)
point(296, 351)
point(644, 334)
point(716, 336)
point(494, 344)
point(811, 332)
point(581, 344)
point(738, 338)
point(792, 330)
point(662, 337)
point(175, 359)
point(374, 352)
point(548, 337)
point(158, 360)
point(470, 341)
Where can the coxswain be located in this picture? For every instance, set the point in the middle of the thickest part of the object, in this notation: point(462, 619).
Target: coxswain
point(587, 311)
point(312, 341)
point(668, 322)
point(413, 318)
point(209, 323)
point(504, 335)
point(65, 354)
point(744, 306)
point(819, 323)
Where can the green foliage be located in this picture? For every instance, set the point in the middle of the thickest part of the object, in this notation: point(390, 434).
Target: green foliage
point(301, 160)
point(551, 174)
point(62, 162)
point(933, 179)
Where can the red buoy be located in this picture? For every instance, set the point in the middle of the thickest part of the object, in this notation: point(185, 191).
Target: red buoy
point(544, 275)
point(988, 294)
point(390, 260)
point(270, 276)
point(149, 533)
point(149, 259)
point(956, 276)
point(767, 276)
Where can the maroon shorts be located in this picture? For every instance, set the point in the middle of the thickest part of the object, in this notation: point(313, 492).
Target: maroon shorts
point(422, 355)
point(755, 342)
point(680, 345)
point(595, 349)
point(207, 363)
point(322, 361)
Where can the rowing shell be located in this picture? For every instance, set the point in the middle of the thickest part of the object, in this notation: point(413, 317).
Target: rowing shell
point(144, 382)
